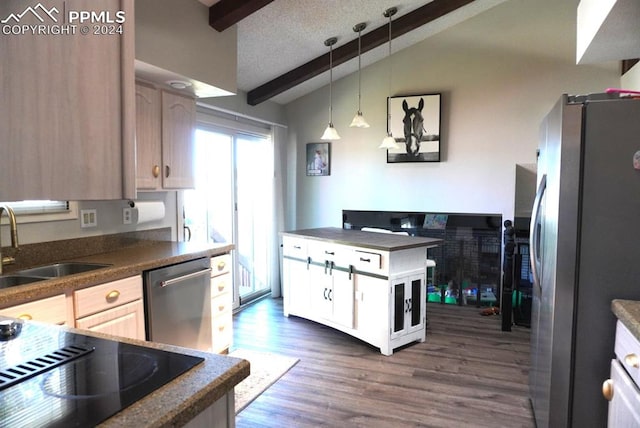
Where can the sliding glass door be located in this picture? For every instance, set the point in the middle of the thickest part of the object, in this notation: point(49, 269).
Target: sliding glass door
point(233, 203)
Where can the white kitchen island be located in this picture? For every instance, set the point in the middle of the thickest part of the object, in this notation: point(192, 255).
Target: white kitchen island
point(369, 285)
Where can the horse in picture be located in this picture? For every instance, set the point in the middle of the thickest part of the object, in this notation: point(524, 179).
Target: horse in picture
point(413, 127)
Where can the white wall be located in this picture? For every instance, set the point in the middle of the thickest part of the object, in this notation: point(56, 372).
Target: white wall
point(496, 88)
point(631, 79)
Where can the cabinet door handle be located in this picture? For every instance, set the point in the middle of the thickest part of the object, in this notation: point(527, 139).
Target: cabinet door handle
point(155, 171)
point(330, 295)
point(324, 293)
point(167, 170)
point(112, 296)
point(607, 389)
point(26, 317)
point(632, 360)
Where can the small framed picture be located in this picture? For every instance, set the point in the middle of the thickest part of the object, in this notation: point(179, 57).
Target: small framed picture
point(414, 122)
point(318, 158)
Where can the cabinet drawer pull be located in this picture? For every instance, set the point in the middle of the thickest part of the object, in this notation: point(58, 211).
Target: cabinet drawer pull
point(297, 247)
point(155, 171)
point(221, 308)
point(221, 286)
point(362, 259)
point(331, 253)
point(221, 328)
point(221, 265)
point(112, 296)
point(25, 317)
point(607, 389)
point(632, 360)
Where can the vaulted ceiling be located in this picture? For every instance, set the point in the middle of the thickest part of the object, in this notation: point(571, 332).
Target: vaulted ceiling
point(281, 51)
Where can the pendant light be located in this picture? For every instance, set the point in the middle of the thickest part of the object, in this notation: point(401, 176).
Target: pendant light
point(389, 142)
point(330, 133)
point(358, 120)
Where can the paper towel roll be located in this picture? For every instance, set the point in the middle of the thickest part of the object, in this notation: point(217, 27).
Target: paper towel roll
point(146, 211)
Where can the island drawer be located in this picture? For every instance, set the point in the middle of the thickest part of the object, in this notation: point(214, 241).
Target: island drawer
point(294, 247)
point(368, 261)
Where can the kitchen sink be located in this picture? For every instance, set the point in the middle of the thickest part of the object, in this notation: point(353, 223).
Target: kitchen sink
point(57, 270)
point(12, 280)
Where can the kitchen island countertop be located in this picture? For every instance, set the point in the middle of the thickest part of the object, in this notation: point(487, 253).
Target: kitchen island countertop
point(628, 312)
point(372, 240)
point(124, 262)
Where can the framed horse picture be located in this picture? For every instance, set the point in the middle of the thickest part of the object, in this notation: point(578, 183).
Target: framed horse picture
point(414, 122)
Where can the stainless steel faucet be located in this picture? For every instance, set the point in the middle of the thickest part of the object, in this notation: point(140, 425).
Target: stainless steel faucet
point(14, 235)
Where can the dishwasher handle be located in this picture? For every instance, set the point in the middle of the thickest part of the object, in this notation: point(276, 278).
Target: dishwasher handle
point(185, 277)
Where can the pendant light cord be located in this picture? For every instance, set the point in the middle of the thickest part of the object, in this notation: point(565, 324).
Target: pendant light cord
point(359, 73)
point(390, 76)
point(330, 83)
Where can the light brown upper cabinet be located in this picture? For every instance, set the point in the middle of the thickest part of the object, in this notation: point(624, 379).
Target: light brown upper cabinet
point(67, 103)
point(165, 127)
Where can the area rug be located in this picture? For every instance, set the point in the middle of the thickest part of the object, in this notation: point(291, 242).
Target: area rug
point(266, 369)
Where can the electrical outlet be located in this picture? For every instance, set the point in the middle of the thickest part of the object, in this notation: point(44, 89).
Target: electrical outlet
point(88, 218)
point(126, 216)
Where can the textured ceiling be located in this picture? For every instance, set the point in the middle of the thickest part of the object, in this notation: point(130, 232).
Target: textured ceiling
point(288, 33)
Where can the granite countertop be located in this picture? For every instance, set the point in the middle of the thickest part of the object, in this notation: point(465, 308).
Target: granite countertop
point(125, 262)
point(373, 240)
point(180, 400)
point(628, 312)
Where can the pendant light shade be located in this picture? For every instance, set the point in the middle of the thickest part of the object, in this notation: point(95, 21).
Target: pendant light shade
point(330, 132)
point(358, 120)
point(389, 142)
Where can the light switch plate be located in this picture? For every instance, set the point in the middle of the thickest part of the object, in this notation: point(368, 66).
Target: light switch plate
point(88, 218)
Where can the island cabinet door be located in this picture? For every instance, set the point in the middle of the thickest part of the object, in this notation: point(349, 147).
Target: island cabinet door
point(332, 291)
point(408, 309)
point(296, 294)
point(371, 297)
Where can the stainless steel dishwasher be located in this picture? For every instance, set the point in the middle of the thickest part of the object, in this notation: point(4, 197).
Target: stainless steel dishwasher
point(178, 304)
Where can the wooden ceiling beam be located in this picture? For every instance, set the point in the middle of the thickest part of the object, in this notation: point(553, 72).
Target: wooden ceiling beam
point(226, 13)
point(377, 37)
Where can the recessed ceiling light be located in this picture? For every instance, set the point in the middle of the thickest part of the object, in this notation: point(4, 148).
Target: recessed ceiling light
point(179, 84)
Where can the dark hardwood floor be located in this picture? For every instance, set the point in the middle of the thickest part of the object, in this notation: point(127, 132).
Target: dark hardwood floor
point(468, 373)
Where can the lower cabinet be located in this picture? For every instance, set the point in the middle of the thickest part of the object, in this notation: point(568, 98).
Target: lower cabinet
point(623, 388)
point(376, 296)
point(50, 310)
point(114, 308)
point(408, 310)
point(332, 293)
point(221, 303)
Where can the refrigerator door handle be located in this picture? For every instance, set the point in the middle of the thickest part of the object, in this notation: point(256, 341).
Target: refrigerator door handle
point(534, 231)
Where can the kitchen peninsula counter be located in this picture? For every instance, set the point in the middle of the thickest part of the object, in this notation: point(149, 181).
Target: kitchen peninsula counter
point(124, 262)
point(183, 399)
point(628, 312)
point(200, 396)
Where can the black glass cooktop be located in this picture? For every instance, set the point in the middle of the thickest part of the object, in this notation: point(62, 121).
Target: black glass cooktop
point(63, 379)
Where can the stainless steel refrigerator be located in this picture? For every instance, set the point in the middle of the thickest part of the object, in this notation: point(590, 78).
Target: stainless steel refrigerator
point(585, 251)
